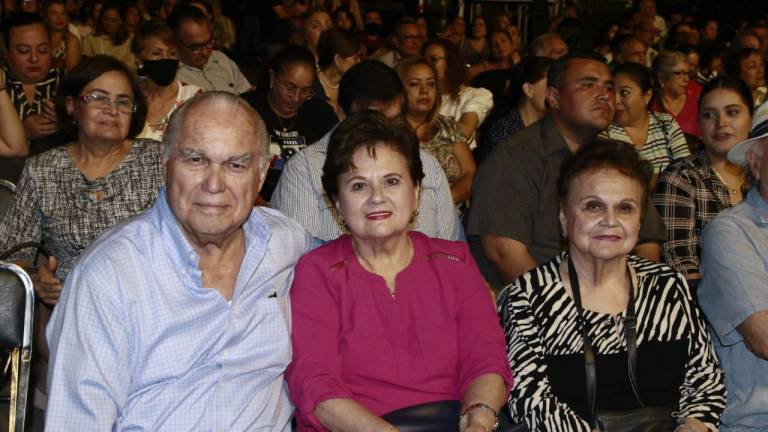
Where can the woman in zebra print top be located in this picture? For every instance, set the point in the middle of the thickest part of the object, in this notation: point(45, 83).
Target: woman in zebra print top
point(602, 191)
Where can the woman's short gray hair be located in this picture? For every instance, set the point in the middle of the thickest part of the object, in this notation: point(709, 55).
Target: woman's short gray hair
point(213, 100)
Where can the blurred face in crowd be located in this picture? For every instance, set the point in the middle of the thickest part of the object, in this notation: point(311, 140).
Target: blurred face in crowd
point(501, 45)
point(423, 26)
point(56, 17)
point(750, 41)
point(601, 215)
point(710, 31)
point(195, 43)
point(479, 31)
point(586, 98)
point(503, 22)
point(29, 56)
point(132, 17)
point(316, 24)
point(110, 21)
point(458, 26)
point(373, 17)
point(752, 71)
point(343, 20)
point(633, 51)
point(556, 47)
point(724, 121)
point(648, 7)
point(631, 101)
point(420, 89)
point(97, 121)
point(291, 88)
point(675, 81)
point(435, 54)
point(155, 48)
point(29, 6)
point(408, 40)
point(377, 196)
point(646, 32)
point(215, 171)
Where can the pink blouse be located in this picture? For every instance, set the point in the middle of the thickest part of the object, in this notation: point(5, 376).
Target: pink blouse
point(353, 340)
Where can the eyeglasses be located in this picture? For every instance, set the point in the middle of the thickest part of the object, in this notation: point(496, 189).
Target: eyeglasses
point(292, 90)
point(201, 46)
point(104, 103)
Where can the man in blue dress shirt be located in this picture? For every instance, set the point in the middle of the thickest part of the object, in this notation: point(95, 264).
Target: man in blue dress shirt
point(734, 288)
point(178, 319)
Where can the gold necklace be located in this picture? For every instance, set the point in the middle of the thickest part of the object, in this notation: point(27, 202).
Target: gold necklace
point(280, 119)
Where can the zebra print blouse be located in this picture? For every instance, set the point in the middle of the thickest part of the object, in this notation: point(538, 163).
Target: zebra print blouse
point(541, 326)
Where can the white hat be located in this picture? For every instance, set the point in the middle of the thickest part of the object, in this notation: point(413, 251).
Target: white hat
point(738, 153)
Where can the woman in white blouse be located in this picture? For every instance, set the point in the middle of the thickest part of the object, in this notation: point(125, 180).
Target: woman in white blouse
point(468, 106)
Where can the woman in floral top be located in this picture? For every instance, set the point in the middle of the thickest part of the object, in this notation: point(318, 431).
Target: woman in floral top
point(439, 135)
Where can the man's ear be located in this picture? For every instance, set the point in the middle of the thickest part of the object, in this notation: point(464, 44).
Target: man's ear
point(553, 97)
point(528, 90)
point(754, 160)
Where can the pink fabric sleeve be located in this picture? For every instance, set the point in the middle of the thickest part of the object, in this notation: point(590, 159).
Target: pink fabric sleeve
point(482, 347)
point(314, 375)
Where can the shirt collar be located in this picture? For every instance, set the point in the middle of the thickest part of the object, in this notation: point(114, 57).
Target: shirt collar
point(258, 232)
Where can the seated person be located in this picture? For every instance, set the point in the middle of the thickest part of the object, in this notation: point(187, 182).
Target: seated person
point(31, 84)
point(200, 64)
point(294, 119)
point(405, 41)
point(300, 195)
point(693, 190)
point(185, 306)
point(111, 37)
point(734, 290)
point(387, 318)
point(578, 306)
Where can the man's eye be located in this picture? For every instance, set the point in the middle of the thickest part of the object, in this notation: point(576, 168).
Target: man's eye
point(358, 186)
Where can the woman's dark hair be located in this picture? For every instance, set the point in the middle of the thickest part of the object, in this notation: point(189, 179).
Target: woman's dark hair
point(604, 154)
point(529, 70)
point(334, 41)
point(122, 33)
point(368, 129)
point(455, 66)
point(21, 19)
point(733, 84)
point(293, 55)
point(87, 71)
point(149, 29)
point(639, 74)
point(734, 59)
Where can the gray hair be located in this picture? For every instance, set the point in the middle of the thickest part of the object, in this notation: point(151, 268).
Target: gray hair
point(666, 61)
point(213, 100)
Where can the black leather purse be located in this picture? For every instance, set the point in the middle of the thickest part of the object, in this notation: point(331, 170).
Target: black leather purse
point(643, 419)
point(441, 416)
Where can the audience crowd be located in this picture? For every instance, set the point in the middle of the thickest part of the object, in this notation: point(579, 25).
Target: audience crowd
point(315, 215)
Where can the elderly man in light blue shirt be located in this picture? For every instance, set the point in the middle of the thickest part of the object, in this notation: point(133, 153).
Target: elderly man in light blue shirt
point(300, 193)
point(734, 289)
point(179, 319)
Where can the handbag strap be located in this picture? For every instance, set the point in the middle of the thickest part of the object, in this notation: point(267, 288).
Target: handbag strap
point(630, 328)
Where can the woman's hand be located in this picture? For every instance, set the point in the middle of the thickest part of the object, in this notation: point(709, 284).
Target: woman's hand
point(47, 287)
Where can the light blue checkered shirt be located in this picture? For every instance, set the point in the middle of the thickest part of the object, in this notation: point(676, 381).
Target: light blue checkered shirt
point(138, 344)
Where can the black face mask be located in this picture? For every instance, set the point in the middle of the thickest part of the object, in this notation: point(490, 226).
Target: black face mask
point(162, 71)
point(373, 29)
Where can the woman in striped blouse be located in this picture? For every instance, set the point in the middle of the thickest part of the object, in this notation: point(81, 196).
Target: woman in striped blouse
point(577, 305)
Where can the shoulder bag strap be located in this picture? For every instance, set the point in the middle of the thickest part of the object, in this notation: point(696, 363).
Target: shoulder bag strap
point(630, 335)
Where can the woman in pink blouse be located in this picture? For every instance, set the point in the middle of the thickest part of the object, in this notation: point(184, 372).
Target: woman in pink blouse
point(387, 318)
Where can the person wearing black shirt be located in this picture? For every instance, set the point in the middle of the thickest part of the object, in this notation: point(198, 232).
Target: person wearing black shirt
point(294, 120)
